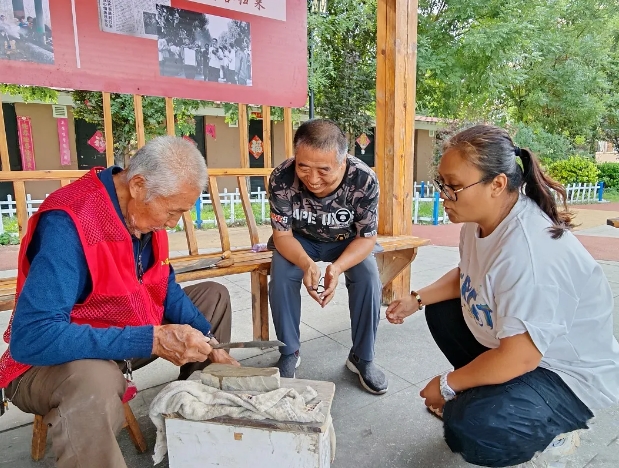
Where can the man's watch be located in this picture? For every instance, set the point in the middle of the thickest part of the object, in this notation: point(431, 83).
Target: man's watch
point(417, 297)
point(446, 391)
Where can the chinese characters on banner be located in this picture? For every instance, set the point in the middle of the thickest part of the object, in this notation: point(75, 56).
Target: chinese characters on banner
point(209, 129)
point(255, 147)
point(274, 9)
point(63, 141)
point(26, 145)
point(97, 141)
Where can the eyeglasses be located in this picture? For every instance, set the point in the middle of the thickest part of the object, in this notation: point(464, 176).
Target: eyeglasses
point(449, 192)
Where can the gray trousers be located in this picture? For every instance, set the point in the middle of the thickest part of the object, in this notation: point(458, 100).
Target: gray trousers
point(81, 400)
point(364, 295)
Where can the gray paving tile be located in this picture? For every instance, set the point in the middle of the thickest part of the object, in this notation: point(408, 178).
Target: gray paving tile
point(394, 432)
point(323, 359)
point(407, 350)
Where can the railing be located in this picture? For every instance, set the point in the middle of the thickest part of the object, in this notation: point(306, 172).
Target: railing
point(428, 206)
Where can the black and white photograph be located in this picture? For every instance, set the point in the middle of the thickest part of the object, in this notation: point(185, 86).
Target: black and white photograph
point(130, 17)
point(197, 46)
point(26, 31)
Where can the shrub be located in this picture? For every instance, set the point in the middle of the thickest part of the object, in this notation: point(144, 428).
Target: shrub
point(546, 146)
point(8, 239)
point(609, 173)
point(574, 170)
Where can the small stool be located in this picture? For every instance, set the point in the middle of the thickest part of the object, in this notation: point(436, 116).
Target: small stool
point(39, 434)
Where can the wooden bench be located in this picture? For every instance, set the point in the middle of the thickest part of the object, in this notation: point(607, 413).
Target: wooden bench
point(399, 251)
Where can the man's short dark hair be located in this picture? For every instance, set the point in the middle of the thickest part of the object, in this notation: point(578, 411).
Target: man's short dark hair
point(323, 135)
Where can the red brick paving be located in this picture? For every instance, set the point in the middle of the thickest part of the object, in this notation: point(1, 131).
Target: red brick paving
point(601, 248)
point(8, 257)
point(614, 206)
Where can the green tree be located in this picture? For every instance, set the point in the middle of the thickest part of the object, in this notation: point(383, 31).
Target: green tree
point(535, 62)
point(343, 67)
point(89, 106)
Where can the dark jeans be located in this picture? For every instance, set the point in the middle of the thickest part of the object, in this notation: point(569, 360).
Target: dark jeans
point(506, 424)
point(364, 294)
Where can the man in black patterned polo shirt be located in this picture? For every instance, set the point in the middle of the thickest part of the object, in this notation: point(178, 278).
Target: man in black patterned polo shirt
point(324, 208)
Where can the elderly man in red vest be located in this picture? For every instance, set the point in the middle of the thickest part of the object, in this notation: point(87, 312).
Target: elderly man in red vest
point(96, 294)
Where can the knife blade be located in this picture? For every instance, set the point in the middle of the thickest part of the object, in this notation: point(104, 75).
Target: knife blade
point(249, 344)
point(199, 265)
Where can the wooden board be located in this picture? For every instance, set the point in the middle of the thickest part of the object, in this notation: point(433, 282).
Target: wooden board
point(243, 136)
point(288, 137)
point(4, 149)
point(139, 120)
point(107, 128)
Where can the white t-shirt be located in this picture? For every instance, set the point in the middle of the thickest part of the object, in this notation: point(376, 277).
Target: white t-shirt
point(519, 279)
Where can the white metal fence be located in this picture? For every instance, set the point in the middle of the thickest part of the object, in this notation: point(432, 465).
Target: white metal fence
point(427, 199)
point(427, 205)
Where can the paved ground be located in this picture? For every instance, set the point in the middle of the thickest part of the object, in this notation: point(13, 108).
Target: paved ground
point(393, 430)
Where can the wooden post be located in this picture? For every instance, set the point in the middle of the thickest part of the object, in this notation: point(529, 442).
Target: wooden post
point(243, 135)
point(4, 149)
point(395, 119)
point(139, 120)
point(288, 132)
point(169, 116)
point(190, 233)
point(20, 206)
point(107, 126)
point(266, 141)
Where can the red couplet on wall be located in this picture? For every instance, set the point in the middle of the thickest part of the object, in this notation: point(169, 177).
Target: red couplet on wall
point(248, 51)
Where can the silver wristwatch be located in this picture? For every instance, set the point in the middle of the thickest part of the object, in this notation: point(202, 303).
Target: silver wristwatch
point(446, 391)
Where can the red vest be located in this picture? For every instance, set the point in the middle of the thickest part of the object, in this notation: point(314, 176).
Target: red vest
point(117, 299)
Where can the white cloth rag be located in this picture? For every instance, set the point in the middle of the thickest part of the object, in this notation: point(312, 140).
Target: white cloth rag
point(198, 402)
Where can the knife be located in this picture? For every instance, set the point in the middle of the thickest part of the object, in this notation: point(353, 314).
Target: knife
point(249, 344)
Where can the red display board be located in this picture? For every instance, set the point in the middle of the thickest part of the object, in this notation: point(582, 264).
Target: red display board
point(247, 51)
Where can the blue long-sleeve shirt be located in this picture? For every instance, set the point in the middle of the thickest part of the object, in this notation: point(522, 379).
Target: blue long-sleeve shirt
point(42, 334)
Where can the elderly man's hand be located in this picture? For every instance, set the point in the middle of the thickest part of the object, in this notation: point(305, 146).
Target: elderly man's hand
point(180, 344)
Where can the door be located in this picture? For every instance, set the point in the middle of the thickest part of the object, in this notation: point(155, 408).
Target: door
point(12, 141)
point(367, 155)
point(257, 159)
point(87, 155)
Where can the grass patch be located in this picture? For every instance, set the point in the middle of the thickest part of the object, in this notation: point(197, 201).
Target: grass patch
point(611, 195)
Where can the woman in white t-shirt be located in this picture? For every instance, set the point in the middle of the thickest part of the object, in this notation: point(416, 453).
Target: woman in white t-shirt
point(526, 317)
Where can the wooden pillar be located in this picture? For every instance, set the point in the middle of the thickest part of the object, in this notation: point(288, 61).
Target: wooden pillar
point(288, 132)
point(4, 149)
point(139, 120)
point(169, 116)
point(107, 127)
point(243, 136)
point(266, 142)
point(19, 187)
point(190, 233)
point(395, 119)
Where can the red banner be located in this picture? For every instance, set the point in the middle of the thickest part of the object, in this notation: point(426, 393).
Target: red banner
point(26, 145)
point(175, 48)
point(63, 141)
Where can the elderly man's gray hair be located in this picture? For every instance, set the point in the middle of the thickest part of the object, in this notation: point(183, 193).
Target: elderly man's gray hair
point(167, 163)
point(323, 135)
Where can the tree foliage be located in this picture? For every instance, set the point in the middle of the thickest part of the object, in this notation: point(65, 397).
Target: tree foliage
point(545, 64)
point(89, 106)
point(343, 66)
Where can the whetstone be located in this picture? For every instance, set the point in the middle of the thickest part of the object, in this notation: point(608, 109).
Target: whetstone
point(231, 378)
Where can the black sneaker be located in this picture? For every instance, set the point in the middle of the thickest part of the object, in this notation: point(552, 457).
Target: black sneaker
point(371, 377)
point(288, 363)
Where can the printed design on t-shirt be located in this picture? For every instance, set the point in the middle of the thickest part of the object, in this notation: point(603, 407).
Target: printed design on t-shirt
point(349, 211)
point(481, 313)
